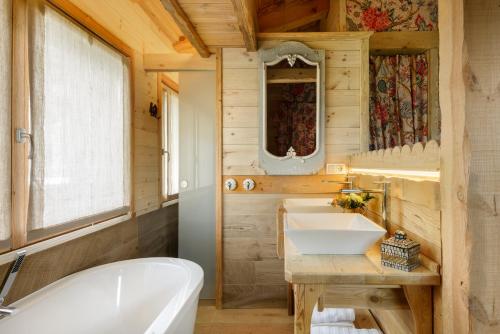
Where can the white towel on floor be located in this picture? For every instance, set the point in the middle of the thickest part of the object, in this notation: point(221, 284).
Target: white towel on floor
point(332, 315)
point(341, 330)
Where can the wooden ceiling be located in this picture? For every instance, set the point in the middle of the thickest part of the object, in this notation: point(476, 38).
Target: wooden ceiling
point(206, 24)
point(144, 25)
point(210, 24)
point(291, 15)
point(173, 27)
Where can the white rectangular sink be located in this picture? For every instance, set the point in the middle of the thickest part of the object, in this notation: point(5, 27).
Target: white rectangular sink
point(331, 233)
point(298, 205)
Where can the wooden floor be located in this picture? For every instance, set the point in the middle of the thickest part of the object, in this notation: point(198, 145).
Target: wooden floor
point(255, 321)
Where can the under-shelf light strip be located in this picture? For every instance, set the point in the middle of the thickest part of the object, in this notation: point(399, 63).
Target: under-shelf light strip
point(435, 175)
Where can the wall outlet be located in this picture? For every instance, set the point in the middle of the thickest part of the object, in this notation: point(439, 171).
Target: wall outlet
point(336, 169)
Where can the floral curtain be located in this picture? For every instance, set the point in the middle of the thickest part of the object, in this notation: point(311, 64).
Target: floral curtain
point(292, 119)
point(398, 100)
point(392, 15)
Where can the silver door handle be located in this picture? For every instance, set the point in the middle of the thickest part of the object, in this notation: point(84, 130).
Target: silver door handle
point(167, 153)
point(21, 135)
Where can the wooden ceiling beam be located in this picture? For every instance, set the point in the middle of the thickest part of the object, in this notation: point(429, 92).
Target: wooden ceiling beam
point(336, 20)
point(183, 45)
point(166, 25)
point(246, 15)
point(186, 26)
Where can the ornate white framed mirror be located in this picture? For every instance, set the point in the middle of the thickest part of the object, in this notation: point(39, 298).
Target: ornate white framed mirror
point(292, 109)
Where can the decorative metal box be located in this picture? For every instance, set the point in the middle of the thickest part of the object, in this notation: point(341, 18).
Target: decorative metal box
point(400, 253)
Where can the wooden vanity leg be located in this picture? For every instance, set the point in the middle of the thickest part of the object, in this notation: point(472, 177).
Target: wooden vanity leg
point(306, 297)
point(290, 300)
point(420, 301)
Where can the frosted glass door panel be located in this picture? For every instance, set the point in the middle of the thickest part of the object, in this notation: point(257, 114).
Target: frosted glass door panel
point(197, 173)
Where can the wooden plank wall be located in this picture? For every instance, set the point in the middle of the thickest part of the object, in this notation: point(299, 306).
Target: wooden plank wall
point(241, 98)
point(147, 162)
point(158, 232)
point(415, 207)
point(252, 273)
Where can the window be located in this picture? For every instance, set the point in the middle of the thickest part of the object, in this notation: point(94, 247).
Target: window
point(68, 164)
point(170, 139)
point(80, 109)
point(5, 106)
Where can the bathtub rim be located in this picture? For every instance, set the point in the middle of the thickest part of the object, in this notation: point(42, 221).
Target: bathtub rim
point(194, 287)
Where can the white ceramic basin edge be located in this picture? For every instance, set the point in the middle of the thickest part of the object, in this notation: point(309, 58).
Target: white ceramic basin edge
point(331, 233)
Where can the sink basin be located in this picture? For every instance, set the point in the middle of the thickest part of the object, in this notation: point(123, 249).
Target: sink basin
point(331, 233)
point(297, 205)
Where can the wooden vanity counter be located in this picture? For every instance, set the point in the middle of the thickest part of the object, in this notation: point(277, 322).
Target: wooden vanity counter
point(350, 269)
point(358, 281)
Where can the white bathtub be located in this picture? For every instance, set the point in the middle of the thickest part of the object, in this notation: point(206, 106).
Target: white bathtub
point(152, 295)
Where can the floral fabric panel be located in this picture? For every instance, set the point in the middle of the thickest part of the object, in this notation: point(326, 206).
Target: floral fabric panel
point(292, 119)
point(392, 15)
point(398, 100)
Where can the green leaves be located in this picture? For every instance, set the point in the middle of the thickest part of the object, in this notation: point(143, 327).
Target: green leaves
point(352, 201)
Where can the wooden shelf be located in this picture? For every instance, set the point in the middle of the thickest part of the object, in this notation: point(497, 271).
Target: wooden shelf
point(278, 81)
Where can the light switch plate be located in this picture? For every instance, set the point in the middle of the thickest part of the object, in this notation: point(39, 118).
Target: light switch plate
point(336, 169)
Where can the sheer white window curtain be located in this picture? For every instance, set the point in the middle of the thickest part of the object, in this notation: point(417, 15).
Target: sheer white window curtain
point(80, 103)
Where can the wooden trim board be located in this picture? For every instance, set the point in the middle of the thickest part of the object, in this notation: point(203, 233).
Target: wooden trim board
point(364, 140)
point(20, 100)
point(165, 80)
point(415, 158)
point(88, 22)
point(218, 185)
point(160, 86)
point(297, 184)
point(399, 41)
point(312, 36)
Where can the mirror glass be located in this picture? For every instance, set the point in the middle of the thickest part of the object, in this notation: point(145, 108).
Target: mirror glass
point(291, 107)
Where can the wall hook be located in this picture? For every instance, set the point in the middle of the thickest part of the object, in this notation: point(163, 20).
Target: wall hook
point(153, 110)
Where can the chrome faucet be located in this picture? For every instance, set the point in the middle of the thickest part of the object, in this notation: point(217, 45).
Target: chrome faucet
point(5, 310)
point(348, 181)
point(383, 191)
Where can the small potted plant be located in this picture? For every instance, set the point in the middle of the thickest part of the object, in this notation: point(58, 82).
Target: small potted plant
point(353, 202)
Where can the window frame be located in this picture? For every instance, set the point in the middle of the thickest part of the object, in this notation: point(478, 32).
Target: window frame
point(5, 244)
point(20, 170)
point(164, 83)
